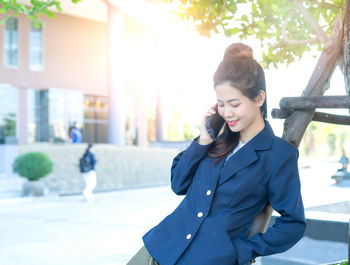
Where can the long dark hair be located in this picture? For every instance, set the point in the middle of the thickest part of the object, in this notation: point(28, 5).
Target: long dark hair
point(239, 70)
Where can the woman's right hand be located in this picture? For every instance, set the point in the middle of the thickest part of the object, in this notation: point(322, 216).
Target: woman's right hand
point(205, 137)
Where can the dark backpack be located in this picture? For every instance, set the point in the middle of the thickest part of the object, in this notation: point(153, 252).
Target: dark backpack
point(85, 164)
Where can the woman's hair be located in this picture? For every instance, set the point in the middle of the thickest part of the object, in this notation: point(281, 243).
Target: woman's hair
point(89, 147)
point(239, 70)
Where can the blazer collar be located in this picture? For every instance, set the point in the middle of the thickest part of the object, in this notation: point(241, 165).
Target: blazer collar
point(263, 140)
point(247, 154)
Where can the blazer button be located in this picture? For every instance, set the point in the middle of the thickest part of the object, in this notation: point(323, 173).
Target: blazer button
point(208, 192)
point(188, 236)
point(200, 214)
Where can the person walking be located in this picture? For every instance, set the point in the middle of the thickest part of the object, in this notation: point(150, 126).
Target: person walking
point(229, 181)
point(87, 166)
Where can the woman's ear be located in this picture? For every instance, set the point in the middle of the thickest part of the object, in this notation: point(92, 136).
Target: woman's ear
point(260, 98)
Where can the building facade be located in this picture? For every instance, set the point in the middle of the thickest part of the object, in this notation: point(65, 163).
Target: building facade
point(53, 76)
point(102, 69)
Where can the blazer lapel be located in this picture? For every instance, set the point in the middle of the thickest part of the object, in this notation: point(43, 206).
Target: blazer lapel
point(247, 154)
point(243, 158)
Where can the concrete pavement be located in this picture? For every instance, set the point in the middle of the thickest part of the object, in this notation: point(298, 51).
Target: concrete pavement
point(67, 230)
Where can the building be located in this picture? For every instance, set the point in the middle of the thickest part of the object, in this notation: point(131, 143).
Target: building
point(52, 76)
point(93, 64)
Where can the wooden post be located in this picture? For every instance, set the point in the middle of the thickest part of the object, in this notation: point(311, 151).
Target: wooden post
point(296, 124)
point(312, 102)
point(346, 47)
point(318, 116)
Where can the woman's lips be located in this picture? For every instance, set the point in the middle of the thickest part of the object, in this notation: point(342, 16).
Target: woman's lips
point(232, 123)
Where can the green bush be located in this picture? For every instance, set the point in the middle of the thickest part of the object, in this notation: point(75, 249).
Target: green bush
point(33, 166)
point(342, 263)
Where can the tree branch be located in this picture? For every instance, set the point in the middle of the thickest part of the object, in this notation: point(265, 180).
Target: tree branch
point(287, 40)
point(222, 9)
point(34, 12)
point(326, 5)
point(321, 35)
point(296, 123)
point(301, 42)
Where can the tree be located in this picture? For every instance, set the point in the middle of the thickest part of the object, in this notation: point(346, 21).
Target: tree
point(286, 28)
point(34, 11)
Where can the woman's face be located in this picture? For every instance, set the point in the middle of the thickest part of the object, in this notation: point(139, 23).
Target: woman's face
point(240, 112)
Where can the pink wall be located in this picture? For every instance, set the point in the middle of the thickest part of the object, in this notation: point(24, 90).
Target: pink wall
point(75, 56)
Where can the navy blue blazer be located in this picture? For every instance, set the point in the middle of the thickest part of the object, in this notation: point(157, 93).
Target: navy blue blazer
point(211, 224)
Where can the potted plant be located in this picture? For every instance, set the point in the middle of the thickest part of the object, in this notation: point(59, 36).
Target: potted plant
point(33, 166)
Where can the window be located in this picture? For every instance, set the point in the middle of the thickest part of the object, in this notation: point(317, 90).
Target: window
point(95, 119)
point(8, 114)
point(37, 115)
point(11, 42)
point(65, 108)
point(51, 112)
point(36, 48)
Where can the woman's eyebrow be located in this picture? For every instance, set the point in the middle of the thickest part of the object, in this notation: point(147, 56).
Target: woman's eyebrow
point(230, 100)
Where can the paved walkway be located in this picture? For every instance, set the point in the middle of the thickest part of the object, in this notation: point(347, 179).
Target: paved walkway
point(69, 231)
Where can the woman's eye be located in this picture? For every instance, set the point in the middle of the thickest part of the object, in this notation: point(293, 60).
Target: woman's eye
point(235, 106)
point(220, 105)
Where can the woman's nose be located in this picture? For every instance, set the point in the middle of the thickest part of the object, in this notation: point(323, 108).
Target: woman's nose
point(228, 113)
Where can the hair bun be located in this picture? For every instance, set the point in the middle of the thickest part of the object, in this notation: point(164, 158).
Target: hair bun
point(239, 50)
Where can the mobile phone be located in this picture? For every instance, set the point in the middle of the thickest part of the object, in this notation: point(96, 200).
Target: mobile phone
point(214, 124)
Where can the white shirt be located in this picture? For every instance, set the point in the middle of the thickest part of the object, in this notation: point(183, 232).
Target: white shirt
point(239, 146)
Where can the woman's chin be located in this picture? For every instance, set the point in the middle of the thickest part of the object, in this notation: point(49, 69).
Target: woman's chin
point(234, 128)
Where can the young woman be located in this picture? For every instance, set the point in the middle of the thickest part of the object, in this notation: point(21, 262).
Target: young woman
point(229, 181)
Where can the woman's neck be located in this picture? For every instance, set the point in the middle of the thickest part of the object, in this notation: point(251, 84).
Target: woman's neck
point(250, 132)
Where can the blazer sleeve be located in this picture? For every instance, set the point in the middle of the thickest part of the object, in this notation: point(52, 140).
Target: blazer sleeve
point(185, 165)
point(285, 198)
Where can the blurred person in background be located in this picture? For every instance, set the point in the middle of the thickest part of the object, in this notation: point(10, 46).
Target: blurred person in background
point(87, 167)
point(344, 160)
point(74, 134)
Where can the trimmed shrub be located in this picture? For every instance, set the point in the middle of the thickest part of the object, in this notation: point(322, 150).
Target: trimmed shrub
point(33, 166)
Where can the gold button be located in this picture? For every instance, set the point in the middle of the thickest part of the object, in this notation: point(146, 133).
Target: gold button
point(200, 214)
point(208, 192)
point(188, 236)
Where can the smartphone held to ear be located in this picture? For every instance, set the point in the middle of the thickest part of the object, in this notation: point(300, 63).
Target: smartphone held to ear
point(214, 124)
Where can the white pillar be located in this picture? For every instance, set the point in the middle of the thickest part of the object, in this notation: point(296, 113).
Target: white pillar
point(141, 120)
point(116, 83)
point(22, 121)
point(161, 128)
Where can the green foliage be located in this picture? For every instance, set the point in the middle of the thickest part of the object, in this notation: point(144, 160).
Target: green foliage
point(37, 8)
point(331, 139)
point(343, 263)
point(324, 139)
point(190, 132)
point(283, 40)
point(33, 166)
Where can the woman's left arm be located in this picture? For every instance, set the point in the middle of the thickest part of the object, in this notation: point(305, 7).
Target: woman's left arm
point(285, 198)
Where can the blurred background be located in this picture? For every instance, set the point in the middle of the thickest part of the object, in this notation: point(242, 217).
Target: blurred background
point(136, 80)
point(129, 75)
